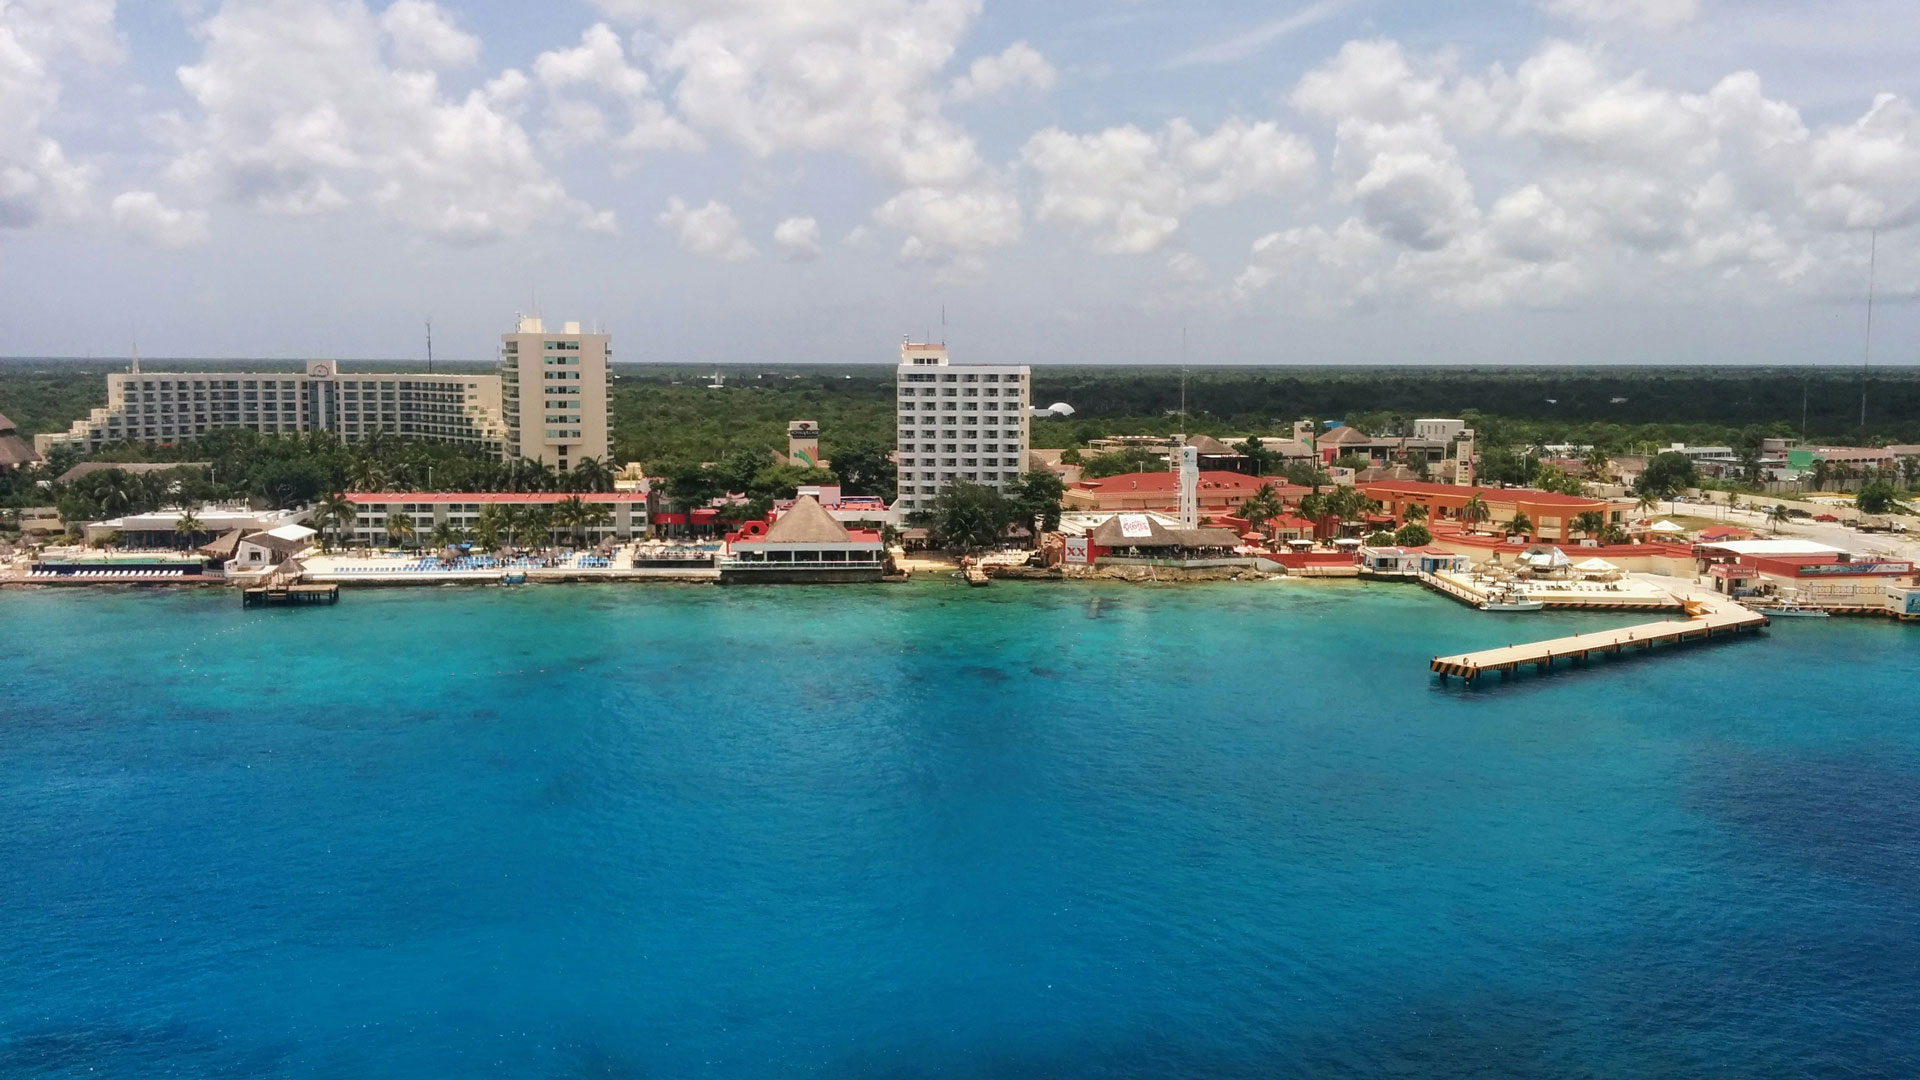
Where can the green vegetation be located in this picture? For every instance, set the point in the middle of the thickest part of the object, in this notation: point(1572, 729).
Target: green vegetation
point(968, 517)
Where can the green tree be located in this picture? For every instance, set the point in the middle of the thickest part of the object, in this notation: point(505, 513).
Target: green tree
point(967, 516)
point(1071, 456)
point(487, 529)
point(1034, 500)
point(1667, 475)
point(1821, 472)
point(865, 468)
point(1520, 525)
point(445, 534)
point(1413, 534)
point(400, 528)
point(185, 526)
point(1598, 465)
point(591, 474)
point(1778, 514)
point(1414, 512)
point(334, 512)
point(1380, 538)
point(1262, 506)
point(1590, 522)
point(1120, 462)
point(1875, 498)
point(1474, 510)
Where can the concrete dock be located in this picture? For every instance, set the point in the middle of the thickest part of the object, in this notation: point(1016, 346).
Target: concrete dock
point(1707, 620)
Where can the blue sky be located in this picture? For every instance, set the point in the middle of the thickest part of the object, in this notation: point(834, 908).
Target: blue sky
point(1331, 181)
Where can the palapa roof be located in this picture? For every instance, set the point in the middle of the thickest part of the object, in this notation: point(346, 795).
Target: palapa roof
point(1210, 446)
point(1111, 533)
point(14, 450)
point(807, 523)
point(223, 546)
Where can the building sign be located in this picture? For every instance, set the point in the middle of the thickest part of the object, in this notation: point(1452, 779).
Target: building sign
point(1913, 602)
point(1076, 550)
point(1136, 527)
point(1818, 569)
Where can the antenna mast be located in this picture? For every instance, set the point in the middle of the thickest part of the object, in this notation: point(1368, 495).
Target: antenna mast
point(429, 346)
point(1873, 254)
point(1183, 378)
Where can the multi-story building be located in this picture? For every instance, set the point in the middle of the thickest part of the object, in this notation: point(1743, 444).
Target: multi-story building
point(553, 387)
point(626, 512)
point(171, 407)
point(958, 422)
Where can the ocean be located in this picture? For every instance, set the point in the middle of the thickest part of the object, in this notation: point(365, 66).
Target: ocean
point(925, 831)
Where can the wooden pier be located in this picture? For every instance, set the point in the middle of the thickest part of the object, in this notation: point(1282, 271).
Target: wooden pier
point(1707, 621)
point(290, 595)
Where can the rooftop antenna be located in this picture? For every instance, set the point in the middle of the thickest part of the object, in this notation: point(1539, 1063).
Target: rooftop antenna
point(429, 345)
point(135, 358)
point(1183, 378)
point(1873, 254)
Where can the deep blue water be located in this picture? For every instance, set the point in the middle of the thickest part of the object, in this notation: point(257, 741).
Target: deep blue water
point(924, 831)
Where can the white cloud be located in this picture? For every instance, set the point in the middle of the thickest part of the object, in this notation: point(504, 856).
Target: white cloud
point(1129, 190)
point(1020, 65)
point(940, 223)
point(599, 63)
point(799, 238)
point(40, 42)
point(863, 77)
point(1248, 42)
point(1648, 14)
point(300, 113)
point(1597, 184)
point(423, 35)
point(143, 216)
point(710, 230)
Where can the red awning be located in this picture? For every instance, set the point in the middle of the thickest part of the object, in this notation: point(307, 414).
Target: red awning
point(705, 516)
point(670, 519)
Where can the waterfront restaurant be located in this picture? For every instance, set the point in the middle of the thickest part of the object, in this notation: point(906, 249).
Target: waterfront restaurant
point(801, 546)
point(1142, 539)
point(1552, 514)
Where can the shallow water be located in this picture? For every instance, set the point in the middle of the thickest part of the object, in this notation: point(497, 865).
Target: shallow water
point(927, 831)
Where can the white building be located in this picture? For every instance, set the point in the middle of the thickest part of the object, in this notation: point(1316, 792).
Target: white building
point(172, 407)
point(261, 552)
point(553, 389)
point(625, 513)
point(155, 529)
point(958, 422)
point(1438, 430)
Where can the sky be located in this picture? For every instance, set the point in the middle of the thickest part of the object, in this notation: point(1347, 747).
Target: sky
point(1067, 181)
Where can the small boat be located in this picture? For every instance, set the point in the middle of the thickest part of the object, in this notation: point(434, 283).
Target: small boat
point(1791, 609)
point(1511, 600)
point(514, 577)
point(976, 577)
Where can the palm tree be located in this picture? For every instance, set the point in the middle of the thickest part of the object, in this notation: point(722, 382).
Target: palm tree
point(337, 511)
point(513, 522)
point(592, 475)
point(1474, 510)
point(1590, 522)
point(400, 527)
point(1647, 502)
point(1520, 525)
point(1262, 506)
point(539, 522)
point(1599, 465)
point(365, 474)
point(568, 514)
point(487, 528)
point(1821, 472)
point(595, 515)
point(1778, 513)
point(185, 526)
point(446, 534)
point(1414, 512)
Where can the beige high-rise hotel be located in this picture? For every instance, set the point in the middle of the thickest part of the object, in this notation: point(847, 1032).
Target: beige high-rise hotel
point(553, 389)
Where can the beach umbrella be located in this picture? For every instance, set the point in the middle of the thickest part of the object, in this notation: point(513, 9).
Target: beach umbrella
point(1666, 528)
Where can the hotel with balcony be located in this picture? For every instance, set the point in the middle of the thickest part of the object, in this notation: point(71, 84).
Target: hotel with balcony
point(958, 422)
point(553, 387)
point(172, 407)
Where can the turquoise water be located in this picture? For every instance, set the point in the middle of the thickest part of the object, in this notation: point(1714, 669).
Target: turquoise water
point(925, 831)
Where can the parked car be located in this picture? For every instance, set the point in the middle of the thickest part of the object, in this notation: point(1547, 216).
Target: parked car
point(1825, 517)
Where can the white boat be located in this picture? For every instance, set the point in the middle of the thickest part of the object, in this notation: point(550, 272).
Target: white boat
point(1510, 599)
point(1521, 604)
point(1791, 609)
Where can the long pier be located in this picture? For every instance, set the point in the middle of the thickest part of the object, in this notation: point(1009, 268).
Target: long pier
point(1707, 621)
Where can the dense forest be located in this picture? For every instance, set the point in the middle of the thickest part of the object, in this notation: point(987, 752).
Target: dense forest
point(668, 414)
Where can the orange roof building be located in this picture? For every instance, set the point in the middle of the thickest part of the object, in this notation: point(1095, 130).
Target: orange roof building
point(1219, 492)
point(1552, 514)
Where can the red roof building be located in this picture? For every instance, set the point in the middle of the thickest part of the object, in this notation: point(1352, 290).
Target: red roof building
point(1219, 492)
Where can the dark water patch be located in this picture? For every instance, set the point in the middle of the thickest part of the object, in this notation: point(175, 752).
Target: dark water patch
point(978, 673)
point(109, 1048)
point(1855, 817)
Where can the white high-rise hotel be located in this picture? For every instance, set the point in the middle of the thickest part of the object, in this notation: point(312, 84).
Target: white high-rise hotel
point(958, 422)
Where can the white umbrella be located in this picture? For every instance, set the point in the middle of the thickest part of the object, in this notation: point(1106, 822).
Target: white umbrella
point(1596, 566)
point(1666, 527)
